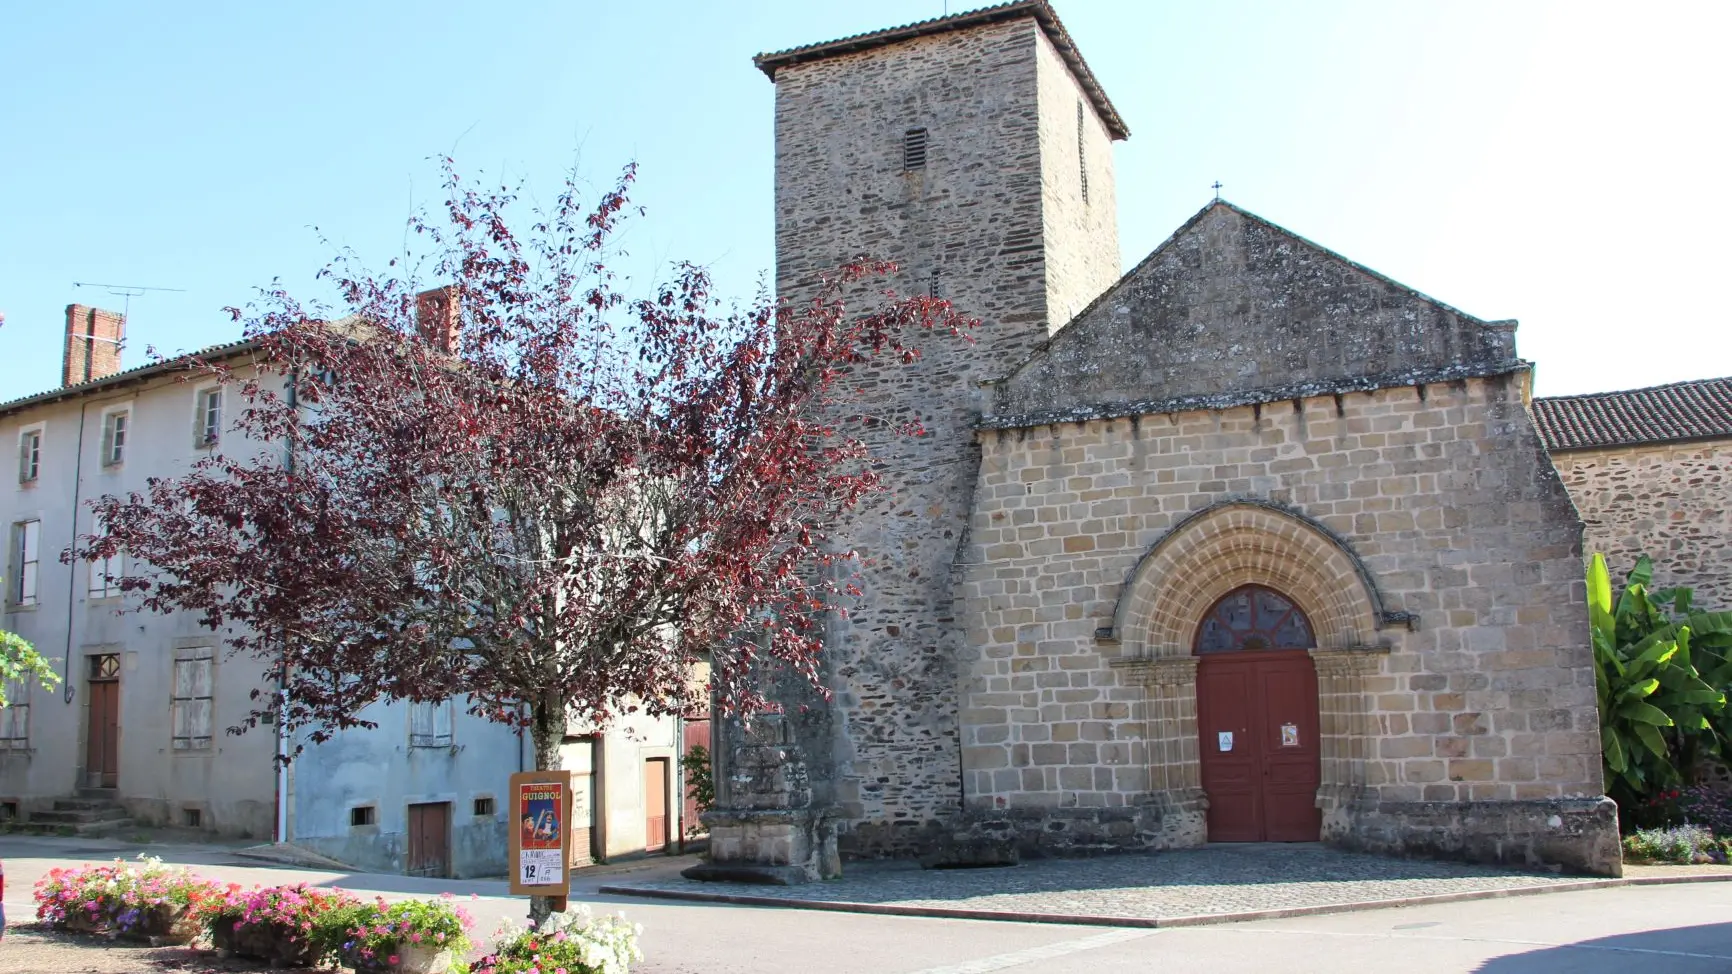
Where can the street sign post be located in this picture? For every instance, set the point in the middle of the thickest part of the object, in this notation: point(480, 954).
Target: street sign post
point(541, 835)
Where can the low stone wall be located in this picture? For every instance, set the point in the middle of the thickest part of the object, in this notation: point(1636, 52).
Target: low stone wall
point(1036, 832)
point(1578, 835)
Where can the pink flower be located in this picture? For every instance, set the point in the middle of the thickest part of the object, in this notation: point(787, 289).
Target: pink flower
point(392, 960)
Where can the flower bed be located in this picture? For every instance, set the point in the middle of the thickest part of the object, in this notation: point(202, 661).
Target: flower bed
point(146, 901)
point(1679, 844)
point(283, 925)
point(569, 943)
point(408, 937)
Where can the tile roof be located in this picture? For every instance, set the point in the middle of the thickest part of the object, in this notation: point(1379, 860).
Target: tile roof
point(1040, 10)
point(1701, 409)
point(134, 374)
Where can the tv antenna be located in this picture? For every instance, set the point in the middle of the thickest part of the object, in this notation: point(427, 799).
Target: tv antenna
point(128, 291)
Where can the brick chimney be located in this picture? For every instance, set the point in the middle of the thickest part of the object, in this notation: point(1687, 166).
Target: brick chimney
point(438, 316)
point(92, 344)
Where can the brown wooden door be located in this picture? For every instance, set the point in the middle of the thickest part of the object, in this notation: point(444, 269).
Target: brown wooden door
point(655, 788)
point(697, 734)
point(102, 747)
point(1257, 713)
point(430, 839)
point(1257, 718)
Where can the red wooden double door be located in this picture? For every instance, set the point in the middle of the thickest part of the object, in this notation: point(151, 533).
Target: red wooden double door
point(1257, 716)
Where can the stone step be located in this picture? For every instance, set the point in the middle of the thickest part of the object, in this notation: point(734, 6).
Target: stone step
point(78, 804)
point(106, 794)
point(79, 816)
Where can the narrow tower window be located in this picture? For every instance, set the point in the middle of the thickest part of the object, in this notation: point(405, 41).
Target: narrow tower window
point(1082, 161)
point(914, 149)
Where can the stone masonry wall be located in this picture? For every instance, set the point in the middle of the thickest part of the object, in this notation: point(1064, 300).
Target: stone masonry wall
point(1670, 501)
point(970, 226)
point(1444, 495)
point(1081, 230)
point(1232, 306)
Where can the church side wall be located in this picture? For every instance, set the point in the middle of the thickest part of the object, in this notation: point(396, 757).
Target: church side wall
point(1465, 736)
point(1670, 501)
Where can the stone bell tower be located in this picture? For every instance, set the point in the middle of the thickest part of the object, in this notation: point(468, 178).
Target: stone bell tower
point(975, 151)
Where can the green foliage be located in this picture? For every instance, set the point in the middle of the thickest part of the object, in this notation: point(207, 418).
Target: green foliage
point(1681, 844)
point(1660, 671)
point(700, 783)
point(20, 662)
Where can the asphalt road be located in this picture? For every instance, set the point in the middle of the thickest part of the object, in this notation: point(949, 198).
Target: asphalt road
point(1683, 928)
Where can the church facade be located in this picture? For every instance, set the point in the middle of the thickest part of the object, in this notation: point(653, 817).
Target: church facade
point(1249, 544)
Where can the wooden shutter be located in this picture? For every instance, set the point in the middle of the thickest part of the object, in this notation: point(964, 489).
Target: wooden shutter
point(15, 716)
point(430, 724)
point(192, 701)
point(25, 448)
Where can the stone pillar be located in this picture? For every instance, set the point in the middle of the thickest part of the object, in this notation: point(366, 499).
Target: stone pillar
point(1170, 729)
point(766, 828)
point(1345, 723)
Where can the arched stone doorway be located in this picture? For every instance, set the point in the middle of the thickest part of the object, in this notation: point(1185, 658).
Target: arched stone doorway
point(1159, 614)
point(1257, 718)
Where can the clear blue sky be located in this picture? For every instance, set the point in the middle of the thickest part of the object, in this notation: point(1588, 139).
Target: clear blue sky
point(1563, 164)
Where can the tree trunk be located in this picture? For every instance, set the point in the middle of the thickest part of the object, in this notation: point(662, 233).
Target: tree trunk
point(546, 731)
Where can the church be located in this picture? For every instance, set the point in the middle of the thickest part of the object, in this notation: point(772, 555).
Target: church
point(1250, 543)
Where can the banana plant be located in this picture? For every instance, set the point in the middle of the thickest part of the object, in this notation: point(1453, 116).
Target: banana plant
point(1659, 709)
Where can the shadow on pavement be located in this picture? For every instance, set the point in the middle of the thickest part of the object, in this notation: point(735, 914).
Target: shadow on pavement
point(1679, 950)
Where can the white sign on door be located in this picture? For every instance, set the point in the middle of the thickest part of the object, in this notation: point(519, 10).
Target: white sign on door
point(1225, 740)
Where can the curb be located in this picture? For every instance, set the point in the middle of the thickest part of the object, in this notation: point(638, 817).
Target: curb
point(1196, 920)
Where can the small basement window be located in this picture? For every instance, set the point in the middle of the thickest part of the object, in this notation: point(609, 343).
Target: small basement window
point(914, 149)
point(484, 807)
point(361, 815)
point(8, 811)
point(192, 818)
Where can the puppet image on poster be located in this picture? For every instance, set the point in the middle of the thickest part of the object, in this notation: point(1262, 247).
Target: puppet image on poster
point(538, 818)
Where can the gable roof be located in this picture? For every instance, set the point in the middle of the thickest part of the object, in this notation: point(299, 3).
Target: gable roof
point(1696, 410)
point(1040, 10)
point(1304, 321)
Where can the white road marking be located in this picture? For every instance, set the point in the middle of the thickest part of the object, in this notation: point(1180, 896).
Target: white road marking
point(1000, 962)
point(1612, 948)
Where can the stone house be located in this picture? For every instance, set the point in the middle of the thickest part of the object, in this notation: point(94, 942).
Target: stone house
point(1248, 543)
point(137, 730)
point(1649, 472)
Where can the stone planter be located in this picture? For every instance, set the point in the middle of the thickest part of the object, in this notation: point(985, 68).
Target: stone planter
point(85, 921)
point(166, 925)
point(263, 941)
point(411, 959)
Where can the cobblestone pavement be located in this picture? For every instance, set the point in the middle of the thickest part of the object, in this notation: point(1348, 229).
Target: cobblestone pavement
point(1218, 879)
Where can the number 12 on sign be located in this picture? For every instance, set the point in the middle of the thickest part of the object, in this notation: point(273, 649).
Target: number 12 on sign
point(538, 867)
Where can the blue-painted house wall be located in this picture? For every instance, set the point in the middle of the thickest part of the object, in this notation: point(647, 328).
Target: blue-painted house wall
point(379, 767)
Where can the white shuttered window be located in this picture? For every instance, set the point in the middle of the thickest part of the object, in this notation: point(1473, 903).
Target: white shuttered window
point(114, 431)
point(26, 562)
point(15, 716)
point(29, 456)
point(194, 676)
point(105, 573)
point(430, 724)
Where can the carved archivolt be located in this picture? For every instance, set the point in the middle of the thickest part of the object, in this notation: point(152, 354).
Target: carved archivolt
point(1212, 553)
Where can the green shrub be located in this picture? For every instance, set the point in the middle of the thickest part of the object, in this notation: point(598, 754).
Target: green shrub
point(1660, 671)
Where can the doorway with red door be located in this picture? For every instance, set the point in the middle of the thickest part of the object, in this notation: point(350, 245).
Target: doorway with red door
point(1257, 714)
